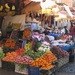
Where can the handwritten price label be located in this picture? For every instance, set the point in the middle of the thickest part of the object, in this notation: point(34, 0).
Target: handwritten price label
point(16, 25)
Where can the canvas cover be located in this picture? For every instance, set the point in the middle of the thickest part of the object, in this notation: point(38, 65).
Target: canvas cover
point(15, 19)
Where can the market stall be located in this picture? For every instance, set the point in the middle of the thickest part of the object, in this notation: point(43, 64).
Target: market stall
point(30, 47)
point(30, 50)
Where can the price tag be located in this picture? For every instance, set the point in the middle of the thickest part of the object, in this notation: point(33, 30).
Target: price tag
point(16, 25)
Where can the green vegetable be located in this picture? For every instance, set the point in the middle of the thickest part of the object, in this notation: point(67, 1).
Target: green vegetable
point(1, 54)
point(33, 54)
point(38, 45)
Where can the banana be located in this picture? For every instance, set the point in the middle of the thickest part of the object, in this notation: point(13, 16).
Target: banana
point(1, 8)
point(6, 5)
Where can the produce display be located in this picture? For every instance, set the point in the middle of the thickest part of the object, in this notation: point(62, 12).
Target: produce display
point(1, 53)
point(11, 56)
point(28, 46)
point(33, 54)
point(10, 43)
point(44, 47)
point(40, 62)
point(20, 51)
point(59, 52)
point(26, 34)
point(44, 61)
point(30, 51)
point(23, 59)
point(38, 44)
point(49, 57)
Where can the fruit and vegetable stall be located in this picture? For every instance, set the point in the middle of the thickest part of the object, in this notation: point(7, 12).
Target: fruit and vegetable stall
point(26, 51)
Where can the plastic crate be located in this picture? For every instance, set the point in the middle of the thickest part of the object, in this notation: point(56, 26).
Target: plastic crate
point(8, 66)
point(33, 70)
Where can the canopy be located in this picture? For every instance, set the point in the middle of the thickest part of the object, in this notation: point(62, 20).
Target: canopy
point(32, 6)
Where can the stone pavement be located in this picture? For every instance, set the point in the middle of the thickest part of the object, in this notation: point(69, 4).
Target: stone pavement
point(67, 69)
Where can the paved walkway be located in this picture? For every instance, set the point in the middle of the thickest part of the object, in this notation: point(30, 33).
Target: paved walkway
point(7, 72)
point(68, 69)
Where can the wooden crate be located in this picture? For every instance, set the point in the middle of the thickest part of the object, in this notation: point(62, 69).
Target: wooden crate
point(63, 61)
point(21, 71)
